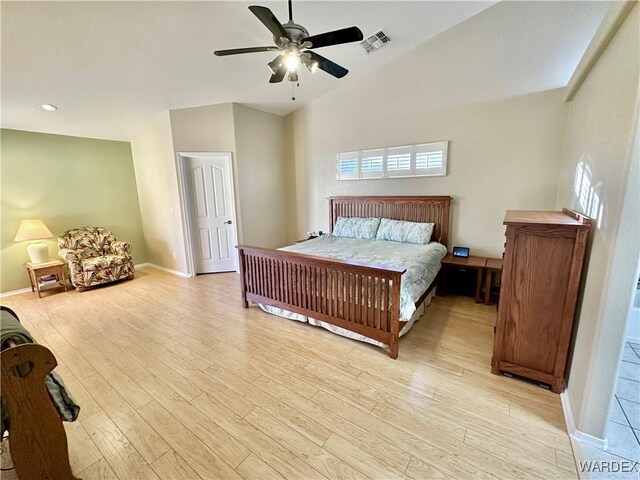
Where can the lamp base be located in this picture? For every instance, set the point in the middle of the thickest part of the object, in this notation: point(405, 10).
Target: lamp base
point(38, 252)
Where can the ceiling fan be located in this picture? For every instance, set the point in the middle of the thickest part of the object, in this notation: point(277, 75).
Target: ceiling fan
point(295, 46)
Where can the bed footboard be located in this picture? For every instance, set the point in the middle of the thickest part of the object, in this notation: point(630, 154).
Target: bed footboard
point(360, 297)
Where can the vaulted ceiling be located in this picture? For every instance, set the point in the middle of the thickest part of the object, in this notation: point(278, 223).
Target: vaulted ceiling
point(113, 67)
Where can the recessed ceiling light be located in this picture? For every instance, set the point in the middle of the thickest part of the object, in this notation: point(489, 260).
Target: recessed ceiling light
point(47, 107)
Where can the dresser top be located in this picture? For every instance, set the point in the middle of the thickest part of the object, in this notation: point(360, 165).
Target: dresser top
point(522, 217)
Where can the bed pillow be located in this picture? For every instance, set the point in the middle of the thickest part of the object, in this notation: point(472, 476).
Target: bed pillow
point(407, 232)
point(356, 227)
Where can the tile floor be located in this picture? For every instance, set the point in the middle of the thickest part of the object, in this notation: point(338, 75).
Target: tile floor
point(623, 434)
point(623, 430)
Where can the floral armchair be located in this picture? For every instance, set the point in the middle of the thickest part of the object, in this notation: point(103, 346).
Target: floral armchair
point(94, 256)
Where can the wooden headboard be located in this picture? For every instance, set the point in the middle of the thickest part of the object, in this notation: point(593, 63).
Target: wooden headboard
point(427, 209)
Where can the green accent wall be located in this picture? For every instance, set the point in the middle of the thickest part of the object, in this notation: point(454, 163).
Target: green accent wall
point(67, 182)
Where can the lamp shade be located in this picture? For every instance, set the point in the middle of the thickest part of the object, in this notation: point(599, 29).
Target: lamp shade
point(32, 229)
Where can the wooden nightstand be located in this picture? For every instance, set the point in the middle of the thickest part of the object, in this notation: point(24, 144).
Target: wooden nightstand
point(471, 263)
point(494, 265)
point(38, 270)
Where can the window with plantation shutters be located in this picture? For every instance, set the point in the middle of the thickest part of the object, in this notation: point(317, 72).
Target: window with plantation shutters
point(399, 161)
point(422, 160)
point(348, 165)
point(431, 159)
point(372, 163)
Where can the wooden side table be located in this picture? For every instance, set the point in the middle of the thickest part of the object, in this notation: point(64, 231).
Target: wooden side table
point(38, 270)
point(473, 263)
point(494, 265)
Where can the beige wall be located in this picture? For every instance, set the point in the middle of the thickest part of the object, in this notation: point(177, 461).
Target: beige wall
point(157, 182)
point(262, 175)
point(67, 182)
point(501, 111)
point(293, 179)
point(203, 129)
point(207, 129)
point(504, 151)
point(601, 124)
point(256, 142)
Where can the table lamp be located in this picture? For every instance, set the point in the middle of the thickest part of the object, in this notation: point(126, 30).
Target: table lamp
point(34, 229)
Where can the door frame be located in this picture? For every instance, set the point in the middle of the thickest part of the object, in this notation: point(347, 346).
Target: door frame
point(186, 210)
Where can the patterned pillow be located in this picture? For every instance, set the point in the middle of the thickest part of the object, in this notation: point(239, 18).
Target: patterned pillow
point(356, 227)
point(407, 232)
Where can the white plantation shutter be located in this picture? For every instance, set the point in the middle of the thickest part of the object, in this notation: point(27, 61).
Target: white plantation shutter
point(431, 159)
point(372, 163)
point(348, 165)
point(399, 161)
point(423, 160)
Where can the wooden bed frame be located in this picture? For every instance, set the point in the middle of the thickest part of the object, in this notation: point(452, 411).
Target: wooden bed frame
point(360, 297)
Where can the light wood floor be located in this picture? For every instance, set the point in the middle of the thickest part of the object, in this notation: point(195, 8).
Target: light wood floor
point(177, 381)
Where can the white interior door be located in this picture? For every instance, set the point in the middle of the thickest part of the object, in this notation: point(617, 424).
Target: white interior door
point(211, 210)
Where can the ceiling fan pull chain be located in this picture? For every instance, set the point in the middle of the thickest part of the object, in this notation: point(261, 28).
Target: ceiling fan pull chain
point(293, 91)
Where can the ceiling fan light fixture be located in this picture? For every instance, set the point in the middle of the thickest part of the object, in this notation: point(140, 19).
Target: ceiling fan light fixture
point(292, 41)
point(292, 61)
point(311, 65)
point(274, 65)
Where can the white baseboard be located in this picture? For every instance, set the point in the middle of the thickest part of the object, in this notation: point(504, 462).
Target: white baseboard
point(581, 437)
point(15, 292)
point(153, 265)
point(164, 269)
point(568, 412)
point(586, 439)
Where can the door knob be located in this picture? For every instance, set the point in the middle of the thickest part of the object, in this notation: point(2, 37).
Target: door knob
point(228, 222)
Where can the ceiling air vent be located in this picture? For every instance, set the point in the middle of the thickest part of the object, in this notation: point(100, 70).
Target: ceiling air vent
point(375, 41)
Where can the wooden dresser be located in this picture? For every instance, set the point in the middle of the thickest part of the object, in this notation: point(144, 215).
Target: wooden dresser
point(543, 258)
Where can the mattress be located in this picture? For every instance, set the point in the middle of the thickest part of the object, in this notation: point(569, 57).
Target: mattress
point(422, 264)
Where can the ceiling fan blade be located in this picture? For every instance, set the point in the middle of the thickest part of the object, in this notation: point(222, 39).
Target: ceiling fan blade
point(279, 75)
point(269, 20)
point(337, 37)
point(237, 51)
point(327, 65)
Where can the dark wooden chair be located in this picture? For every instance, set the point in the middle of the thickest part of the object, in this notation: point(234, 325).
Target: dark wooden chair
point(37, 438)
